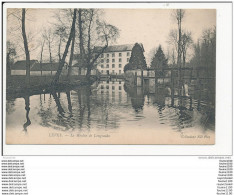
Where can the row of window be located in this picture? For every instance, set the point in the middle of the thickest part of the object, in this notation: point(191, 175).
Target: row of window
point(113, 66)
point(113, 71)
point(113, 60)
point(113, 87)
point(113, 82)
point(113, 55)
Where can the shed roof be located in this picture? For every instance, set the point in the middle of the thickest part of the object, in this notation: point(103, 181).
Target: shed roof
point(45, 67)
point(21, 64)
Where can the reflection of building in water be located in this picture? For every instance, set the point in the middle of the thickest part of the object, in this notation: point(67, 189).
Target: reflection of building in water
point(136, 96)
point(115, 89)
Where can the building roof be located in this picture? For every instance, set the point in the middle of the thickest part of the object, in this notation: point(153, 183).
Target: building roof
point(45, 67)
point(21, 64)
point(116, 48)
point(35, 66)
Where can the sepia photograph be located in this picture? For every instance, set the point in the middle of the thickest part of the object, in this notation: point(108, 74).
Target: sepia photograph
point(110, 76)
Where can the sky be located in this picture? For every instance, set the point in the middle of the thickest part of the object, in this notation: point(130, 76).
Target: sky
point(150, 27)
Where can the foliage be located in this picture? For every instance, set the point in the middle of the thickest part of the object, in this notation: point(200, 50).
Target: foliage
point(127, 67)
point(10, 56)
point(159, 60)
point(205, 50)
point(11, 52)
point(185, 44)
point(137, 59)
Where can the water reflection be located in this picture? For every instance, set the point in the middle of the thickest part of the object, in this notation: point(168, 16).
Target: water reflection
point(110, 105)
point(27, 108)
point(136, 95)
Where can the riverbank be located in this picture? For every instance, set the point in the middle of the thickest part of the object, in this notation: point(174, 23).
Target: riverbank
point(16, 85)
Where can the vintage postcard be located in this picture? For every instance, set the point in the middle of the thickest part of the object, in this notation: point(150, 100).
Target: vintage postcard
point(110, 76)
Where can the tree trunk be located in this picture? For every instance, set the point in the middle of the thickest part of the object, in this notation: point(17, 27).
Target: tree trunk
point(89, 64)
point(71, 56)
point(88, 73)
point(50, 57)
point(81, 37)
point(59, 49)
point(179, 51)
point(42, 48)
point(8, 65)
point(184, 57)
point(69, 101)
point(179, 41)
point(26, 49)
point(61, 63)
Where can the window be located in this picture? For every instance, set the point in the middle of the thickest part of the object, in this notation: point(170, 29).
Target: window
point(113, 71)
point(102, 87)
point(120, 65)
point(120, 54)
point(107, 55)
point(113, 54)
point(128, 54)
point(107, 66)
point(102, 60)
point(127, 59)
point(113, 66)
point(119, 71)
point(107, 87)
point(102, 66)
point(120, 60)
point(113, 60)
point(107, 61)
point(113, 87)
point(120, 87)
point(102, 56)
point(101, 71)
point(119, 82)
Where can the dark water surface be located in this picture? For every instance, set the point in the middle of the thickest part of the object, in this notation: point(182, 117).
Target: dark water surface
point(109, 105)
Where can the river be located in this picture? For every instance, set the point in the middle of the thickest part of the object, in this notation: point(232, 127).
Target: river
point(109, 112)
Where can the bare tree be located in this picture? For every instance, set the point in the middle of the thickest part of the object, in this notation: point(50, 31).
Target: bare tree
point(178, 15)
point(64, 20)
point(81, 31)
point(60, 31)
point(185, 44)
point(26, 49)
point(92, 31)
point(15, 34)
point(173, 42)
point(11, 53)
point(179, 39)
point(48, 35)
point(107, 33)
point(41, 55)
point(62, 61)
point(173, 39)
point(71, 54)
point(173, 57)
